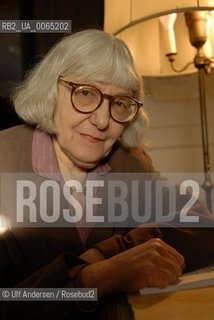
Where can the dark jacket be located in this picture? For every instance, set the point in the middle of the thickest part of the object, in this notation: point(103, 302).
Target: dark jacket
point(41, 257)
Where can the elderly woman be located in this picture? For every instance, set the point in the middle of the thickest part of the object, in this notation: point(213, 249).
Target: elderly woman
point(83, 113)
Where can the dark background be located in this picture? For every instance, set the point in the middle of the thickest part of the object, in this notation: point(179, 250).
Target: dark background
point(20, 51)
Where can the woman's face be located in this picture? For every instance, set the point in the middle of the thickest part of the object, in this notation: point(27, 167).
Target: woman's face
point(86, 138)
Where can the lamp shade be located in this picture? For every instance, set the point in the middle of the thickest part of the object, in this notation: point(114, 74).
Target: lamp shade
point(138, 23)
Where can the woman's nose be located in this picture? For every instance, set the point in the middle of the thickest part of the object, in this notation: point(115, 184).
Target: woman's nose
point(101, 117)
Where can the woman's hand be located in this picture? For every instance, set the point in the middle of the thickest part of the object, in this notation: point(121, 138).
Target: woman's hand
point(92, 256)
point(153, 263)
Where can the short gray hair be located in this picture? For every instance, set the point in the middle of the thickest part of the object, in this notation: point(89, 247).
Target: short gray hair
point(91, 55)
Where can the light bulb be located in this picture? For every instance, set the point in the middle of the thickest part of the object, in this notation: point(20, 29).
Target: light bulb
point(208, 43)
point(167, 23)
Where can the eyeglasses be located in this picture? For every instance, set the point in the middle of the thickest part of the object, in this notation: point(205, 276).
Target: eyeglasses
point(86, 98)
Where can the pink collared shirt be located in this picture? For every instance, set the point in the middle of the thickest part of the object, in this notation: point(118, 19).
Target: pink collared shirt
point(45, 164)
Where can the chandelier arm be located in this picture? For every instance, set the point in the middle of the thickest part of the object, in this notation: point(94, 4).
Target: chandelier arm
point(180, 70)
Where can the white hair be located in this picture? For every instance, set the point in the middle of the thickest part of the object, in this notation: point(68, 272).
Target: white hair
point(91, 55)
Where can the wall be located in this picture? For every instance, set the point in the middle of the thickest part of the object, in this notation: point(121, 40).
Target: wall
point(174, 135)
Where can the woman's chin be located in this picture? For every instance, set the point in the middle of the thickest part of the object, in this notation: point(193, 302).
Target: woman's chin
point(86, 164)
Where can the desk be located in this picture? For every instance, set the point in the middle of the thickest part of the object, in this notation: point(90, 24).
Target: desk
point(196, 304)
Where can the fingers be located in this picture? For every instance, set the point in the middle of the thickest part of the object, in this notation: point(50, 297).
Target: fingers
point(165, 272)
point(165, 264)
point(161, 278)
point(92, 256)
point(163, 248)
point(152, 263)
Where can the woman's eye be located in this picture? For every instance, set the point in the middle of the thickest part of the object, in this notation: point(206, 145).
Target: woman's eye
point(121, 104)
point(86, 93)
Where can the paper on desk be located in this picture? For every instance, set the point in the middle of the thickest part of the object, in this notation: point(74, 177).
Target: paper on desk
point(198, 279)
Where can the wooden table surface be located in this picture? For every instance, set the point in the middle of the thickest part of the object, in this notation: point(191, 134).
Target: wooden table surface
point(196, 304)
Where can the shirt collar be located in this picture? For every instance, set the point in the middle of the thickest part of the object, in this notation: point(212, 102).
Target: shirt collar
point(44, 159)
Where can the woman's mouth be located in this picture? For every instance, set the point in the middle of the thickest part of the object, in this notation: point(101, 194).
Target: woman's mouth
point(90, 138)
